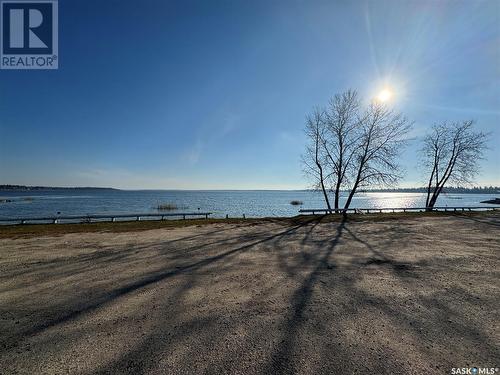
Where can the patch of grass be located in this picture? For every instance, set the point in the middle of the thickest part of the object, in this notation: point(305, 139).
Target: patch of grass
point(38, 230)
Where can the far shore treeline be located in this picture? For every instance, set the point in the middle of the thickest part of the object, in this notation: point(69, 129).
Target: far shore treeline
point(447, 190)
point(24, 187)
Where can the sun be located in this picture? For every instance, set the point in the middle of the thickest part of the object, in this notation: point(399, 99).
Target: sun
point(384, 95)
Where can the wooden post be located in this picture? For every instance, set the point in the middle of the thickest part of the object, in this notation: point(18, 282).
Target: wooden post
point(227, 216)
point(113, 219)
point(138, 218)
point(244, 216)
point(206, 216)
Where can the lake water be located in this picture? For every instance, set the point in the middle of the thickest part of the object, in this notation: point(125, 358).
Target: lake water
point(39, 203)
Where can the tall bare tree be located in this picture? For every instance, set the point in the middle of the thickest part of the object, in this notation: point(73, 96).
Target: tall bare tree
point(383, 134)
point(350, 148)
point(342, 121)
point(451, 154)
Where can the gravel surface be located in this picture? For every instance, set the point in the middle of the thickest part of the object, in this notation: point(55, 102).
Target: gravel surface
point(414, 296)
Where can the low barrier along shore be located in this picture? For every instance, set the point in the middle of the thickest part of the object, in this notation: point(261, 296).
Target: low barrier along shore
point(100, 218)
point(395, 209)
point(184, 215)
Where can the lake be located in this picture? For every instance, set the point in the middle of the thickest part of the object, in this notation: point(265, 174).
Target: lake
point(252, 203)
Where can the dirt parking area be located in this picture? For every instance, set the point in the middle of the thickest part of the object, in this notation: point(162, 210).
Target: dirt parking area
point(418, 295)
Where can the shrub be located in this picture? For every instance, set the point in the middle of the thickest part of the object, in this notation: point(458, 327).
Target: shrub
point(167, 207)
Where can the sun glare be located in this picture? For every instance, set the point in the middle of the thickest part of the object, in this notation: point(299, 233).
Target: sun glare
point(384, 95)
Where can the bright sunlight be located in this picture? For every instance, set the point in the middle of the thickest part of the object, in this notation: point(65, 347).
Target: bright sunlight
point(385, 95)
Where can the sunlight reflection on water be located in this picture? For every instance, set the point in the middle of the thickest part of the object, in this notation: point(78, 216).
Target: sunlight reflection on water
point(392, 200)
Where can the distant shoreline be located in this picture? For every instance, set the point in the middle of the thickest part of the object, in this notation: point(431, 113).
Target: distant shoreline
point(449, 190)
point(30, 188)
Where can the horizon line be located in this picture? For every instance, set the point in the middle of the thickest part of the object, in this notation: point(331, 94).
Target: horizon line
point(40, 187)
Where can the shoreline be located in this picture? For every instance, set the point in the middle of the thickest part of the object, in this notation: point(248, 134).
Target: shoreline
point(447, 190)
point(34, 230)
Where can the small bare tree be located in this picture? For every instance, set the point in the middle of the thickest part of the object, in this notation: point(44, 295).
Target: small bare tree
point(451, 154)
point(383, 134)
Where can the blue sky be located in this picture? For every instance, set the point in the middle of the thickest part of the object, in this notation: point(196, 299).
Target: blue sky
point(213, 94)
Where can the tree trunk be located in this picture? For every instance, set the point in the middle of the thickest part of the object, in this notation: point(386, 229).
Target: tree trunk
point(432, 201)
point(439, 187)
point(339, 172)
point(325, 194)
point(358, 179)
point(349, 199)
point(428, 205)
point(351, 195)
point(337, 196)
point(429, 186)
point(321, 179)
point(435, 195)
point(320, 168)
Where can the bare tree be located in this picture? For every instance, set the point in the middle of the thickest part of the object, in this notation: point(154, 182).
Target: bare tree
point(451, 154)
point(342, 136)
point(349, 149)
point(383, 134)
point(314, 160)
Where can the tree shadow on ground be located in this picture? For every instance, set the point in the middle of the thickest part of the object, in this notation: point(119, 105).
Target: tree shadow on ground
point(308, 267)
point(493, 221)
point(281, 363)
point(79, 307)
